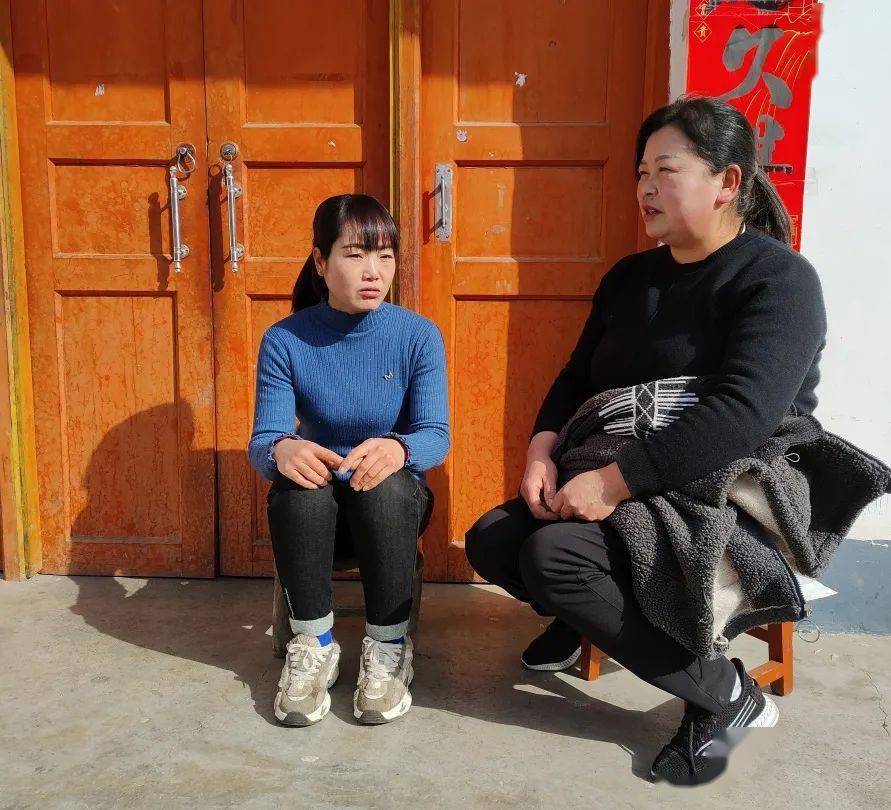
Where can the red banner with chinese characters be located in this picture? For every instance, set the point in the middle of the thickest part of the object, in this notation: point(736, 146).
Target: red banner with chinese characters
point(761, 56)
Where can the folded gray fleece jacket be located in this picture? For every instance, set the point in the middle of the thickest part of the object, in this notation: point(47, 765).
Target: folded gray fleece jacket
point(740, 530)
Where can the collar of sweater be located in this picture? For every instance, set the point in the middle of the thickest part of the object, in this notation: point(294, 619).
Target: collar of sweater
point(345, 323)
point(714, 258)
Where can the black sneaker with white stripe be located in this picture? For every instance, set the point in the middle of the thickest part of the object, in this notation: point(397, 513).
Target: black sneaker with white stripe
point(557, 648)
point(698, 753)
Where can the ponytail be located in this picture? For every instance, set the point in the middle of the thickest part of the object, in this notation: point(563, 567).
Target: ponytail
point(766, 211)
point(310, 288)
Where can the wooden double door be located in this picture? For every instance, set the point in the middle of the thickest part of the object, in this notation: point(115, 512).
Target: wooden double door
point(144, 373)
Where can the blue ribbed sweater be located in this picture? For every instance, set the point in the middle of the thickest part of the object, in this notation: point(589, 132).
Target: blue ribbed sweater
point(348, 378)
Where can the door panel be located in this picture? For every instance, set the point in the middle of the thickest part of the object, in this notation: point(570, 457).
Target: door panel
point(486, 344)
point(303, 89)
point(121, 345)
point(534, 105)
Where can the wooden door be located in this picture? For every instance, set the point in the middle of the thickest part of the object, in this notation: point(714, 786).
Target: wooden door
point(302, 89)
point(534, 105)
point(121, 345)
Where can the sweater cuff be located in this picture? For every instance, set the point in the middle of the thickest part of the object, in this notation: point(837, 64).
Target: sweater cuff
point(270, 456)
point(641, 476)
point(403, 441)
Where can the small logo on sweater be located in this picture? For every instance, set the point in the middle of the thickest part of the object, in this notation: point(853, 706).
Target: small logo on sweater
point(388, 376)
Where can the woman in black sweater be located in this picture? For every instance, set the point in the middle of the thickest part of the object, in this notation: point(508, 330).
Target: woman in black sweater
point(725, 296)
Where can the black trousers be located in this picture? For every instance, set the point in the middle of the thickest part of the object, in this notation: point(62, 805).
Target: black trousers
point(381, 526)
point(580, 572)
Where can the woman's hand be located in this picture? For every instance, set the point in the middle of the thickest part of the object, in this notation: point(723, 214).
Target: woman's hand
point(306, 463)
point(592, 495)
point(374, 461)
point(540, 479)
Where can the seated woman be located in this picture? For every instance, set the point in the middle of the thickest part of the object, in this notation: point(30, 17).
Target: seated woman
point(366, 382)
point(724, 295)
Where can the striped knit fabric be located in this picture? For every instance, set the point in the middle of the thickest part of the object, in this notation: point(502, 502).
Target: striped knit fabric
point(347, 378)
point(641, 410)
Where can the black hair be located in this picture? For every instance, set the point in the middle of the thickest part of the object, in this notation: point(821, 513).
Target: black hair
point(721, 135)
point(361, 215)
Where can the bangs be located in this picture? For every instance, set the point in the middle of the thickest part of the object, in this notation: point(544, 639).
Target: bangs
point(365, 222)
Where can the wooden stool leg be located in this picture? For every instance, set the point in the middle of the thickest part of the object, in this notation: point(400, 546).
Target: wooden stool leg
point(779, 645)
point(281, 626)
point(590, 662)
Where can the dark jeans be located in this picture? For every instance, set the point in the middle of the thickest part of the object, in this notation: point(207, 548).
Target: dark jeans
point(382, 526)
point(580, 572)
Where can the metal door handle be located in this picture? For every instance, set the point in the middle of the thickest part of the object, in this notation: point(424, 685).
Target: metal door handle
point(183, 164)
point(177, 192)
point(442, 195)
point(233, 192)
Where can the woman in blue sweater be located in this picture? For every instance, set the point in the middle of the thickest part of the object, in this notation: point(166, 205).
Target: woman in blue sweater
point(351, 410)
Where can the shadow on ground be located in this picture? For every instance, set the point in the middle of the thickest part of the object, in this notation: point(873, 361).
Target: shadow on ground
point(467, 650)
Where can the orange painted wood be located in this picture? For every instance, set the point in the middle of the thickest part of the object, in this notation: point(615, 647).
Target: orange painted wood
point(110, 92)
point(590, 661)
point(780, 646)
point(656, 92)
point(776, 672)
point(303, 89)
point(121, 346)
point(406, 165)
point(535, 107)
point(761, 633)
point(19, 520)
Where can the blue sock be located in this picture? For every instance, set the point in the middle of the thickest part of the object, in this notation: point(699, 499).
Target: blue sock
point(400, 640)
point(325, 639)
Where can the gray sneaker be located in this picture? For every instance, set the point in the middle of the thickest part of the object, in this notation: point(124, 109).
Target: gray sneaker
point(310, 671)
point(385, 673)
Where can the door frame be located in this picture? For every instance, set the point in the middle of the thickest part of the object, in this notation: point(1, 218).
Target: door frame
point(19, 518)
point(405, 157)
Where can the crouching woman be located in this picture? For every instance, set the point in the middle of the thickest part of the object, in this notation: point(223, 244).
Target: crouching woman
point(351, 410)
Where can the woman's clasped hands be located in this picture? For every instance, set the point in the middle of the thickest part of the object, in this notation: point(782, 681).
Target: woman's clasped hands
point(312, 466)
point(589, 496)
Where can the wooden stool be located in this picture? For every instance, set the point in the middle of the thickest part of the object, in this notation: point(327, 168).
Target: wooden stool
point(775, 673)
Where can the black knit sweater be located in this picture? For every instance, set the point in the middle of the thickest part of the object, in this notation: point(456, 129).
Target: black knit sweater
point(750, 315)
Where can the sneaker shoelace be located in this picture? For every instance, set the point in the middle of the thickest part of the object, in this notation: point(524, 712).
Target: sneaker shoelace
point(304, 663)
point(380, 659)
point(694, 725)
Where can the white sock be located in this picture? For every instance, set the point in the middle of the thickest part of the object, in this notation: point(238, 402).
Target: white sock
point(737, 688)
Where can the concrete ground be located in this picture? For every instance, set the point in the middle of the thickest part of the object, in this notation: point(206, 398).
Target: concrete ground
point(157, 693)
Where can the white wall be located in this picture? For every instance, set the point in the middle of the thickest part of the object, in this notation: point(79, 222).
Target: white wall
point(847, 222)
point(677, 75)
point(847, 229)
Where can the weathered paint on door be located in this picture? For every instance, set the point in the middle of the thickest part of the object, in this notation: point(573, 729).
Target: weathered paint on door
point(121, 345)
point(132, 362)
point(534, 105)
point(144, 378)
point(302, 89)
